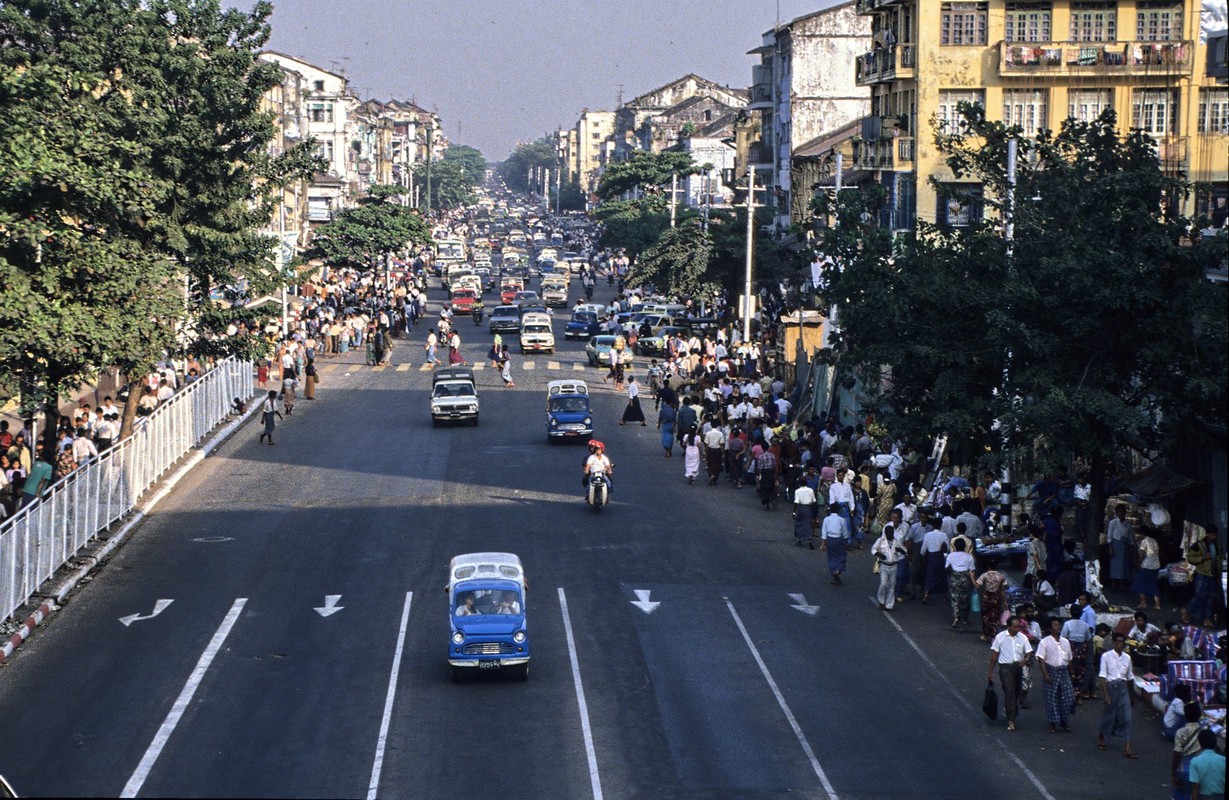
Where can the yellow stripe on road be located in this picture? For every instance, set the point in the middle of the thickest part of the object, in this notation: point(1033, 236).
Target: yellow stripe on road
point(379, 368)
point(479, 366)
point(578, 367)
point(402, 367)
point(329, 368)
point(553, 365)
point(425, 368)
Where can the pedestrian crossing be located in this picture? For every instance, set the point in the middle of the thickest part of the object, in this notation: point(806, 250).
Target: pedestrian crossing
point(527, 366)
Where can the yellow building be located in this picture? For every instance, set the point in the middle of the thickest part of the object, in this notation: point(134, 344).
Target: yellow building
point(1034, 63)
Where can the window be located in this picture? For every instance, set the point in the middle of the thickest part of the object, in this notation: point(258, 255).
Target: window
point(960, 205)
point(1094, 21)
point(319, 209)
point(963, 24)
point(1026, 108)
point(1158, 22)
point(1214, 110)
point(1155, 110)
point(1027, 22)
point(949, 101)
point(318, 86)
point(320, 112)
point(324, 149)
point(1086, 105)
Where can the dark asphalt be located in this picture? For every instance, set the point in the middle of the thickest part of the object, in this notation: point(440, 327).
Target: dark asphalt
point(362, 497)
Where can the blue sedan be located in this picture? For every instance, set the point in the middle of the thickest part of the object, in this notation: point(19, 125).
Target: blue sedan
point(582, 325)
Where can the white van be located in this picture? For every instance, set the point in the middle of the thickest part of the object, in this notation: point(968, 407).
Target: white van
point(537, 336)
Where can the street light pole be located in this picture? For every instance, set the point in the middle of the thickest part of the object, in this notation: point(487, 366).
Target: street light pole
point(750, 247)
point(430, 137)
point(674, 189)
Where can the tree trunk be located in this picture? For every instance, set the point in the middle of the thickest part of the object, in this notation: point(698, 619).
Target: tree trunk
point(50, 432)
point(1096, 506)
point(129, 416)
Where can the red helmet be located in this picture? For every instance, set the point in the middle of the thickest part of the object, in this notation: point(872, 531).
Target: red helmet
point(596, 445)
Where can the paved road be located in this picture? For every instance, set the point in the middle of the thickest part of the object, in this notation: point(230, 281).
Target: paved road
point(735, 686)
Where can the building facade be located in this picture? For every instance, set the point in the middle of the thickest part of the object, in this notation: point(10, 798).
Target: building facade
point(1032, 64)
point(804, 86)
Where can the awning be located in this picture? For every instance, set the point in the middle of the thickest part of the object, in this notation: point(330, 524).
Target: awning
point(1158, 481)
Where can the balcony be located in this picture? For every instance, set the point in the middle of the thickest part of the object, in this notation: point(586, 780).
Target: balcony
point(760, 154)
point(886, 64)
point(1172, 151)
point(892, 154)
point(761, 88)
point(1059, 59)
point(868, 6)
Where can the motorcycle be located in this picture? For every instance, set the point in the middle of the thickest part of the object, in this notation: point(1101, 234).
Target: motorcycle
point(588, 291)
point(598, 492)
point(477, 314)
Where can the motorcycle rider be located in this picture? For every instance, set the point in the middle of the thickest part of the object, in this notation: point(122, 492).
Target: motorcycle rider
point(598, 459)
point(477, 312)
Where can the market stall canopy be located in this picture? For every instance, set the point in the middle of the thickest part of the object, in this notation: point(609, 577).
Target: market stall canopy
point(1158, 481)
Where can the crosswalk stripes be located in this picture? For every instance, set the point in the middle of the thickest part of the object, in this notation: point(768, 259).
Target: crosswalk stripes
point(379, 368)
point(402, 367)
point(578, 367)
point(481, 365)
point(553, 365)
point(528, 365)
point(329, 367)
point(425, 368)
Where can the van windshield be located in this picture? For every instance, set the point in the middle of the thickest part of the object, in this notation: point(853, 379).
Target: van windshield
point(569, 404)
point(488, 601)
point(456, 389)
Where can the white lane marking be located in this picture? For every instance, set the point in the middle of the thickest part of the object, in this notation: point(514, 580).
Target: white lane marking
point(330, 605)
point(425, 368)
point(402, 367)
point(776, 691)
point(374, 787)
point(802, 605)
point(643, 602)
point(379, 368)
point(590, 752)
point(528, 365)
point(578, 367)
point(181, 703)
point(951, 687)
point(159, 607)
point(553, 365)
point(481, 365)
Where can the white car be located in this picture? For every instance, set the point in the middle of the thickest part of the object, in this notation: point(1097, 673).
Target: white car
point(537, 335)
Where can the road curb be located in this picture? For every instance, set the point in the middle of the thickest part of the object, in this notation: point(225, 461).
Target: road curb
point(60, 593)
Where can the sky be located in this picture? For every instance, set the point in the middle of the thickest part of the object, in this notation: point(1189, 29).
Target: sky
point(500, 72)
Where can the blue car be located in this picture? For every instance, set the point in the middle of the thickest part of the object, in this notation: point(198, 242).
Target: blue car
point(487, 622)
point(568, 415)
point(582, 325)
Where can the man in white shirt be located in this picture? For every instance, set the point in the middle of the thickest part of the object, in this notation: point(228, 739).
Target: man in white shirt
point(1010, 652)
point(934, 550)
point(908, 511)
point(714, 453)
point(1053, 656)
point(835, 532)
point(1115, 680)
point(840, 500)
point(805, 508)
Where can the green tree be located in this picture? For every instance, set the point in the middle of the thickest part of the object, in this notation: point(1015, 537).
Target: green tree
point(650, 173)
point(471, 161)
point(526, 157)
point(1096, 335)
point(366, 236)
point(632, 225)
point(677, 263)
point(451, 186)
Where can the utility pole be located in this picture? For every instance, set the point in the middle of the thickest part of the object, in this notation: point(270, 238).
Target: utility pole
point(430, 143)
point(674, 188)
point(747, 302)
point(1009, 233)
point(281, 261)
point(559, 191)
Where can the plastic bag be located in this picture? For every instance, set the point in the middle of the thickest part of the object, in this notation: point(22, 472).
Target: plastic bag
point(990, 704)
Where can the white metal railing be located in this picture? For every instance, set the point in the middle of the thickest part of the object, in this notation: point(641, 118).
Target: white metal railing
point(43, 536)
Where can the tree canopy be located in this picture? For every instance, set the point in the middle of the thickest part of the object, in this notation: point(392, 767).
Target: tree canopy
point(526, 157)
point(136, 178)
point(1095, 334)
point(364, 236)
point(470, 159)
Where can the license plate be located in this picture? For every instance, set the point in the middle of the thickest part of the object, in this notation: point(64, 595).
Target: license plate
point(489, 665)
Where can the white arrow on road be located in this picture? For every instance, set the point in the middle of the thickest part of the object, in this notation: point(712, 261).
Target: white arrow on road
point(644, 603)
point(802, 605)
point(330, 605)
point(159, 607)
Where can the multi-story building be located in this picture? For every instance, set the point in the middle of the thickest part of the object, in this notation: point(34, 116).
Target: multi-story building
point(325, 104)
point(1032, 64)
point(285, 102)
point(652, 121)
point(804, 86)
point(594, 132)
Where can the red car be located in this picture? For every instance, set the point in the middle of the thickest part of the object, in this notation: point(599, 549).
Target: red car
point(463, 301)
